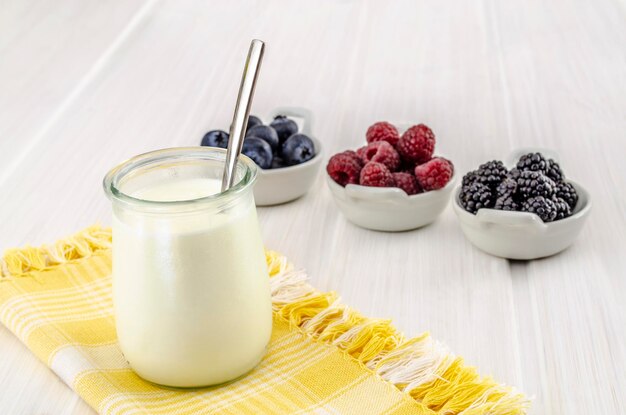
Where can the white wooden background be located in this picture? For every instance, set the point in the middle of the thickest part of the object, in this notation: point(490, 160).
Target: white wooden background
point(87, 83)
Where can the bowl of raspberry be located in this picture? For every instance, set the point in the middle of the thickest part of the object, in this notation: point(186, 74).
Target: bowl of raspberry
point(284, 149)
point(526, 209)
point(394, 182)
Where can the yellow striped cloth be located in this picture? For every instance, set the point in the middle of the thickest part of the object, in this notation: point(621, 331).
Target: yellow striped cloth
point(323, 358)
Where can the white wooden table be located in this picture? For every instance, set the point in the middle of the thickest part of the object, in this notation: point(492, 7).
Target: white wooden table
point(87, 83)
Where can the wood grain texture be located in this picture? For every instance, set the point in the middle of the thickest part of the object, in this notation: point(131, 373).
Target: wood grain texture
point(49, 55)
point(487, 76)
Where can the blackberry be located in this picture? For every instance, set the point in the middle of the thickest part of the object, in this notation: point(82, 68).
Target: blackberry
point(567, 192)
point(507, 187)
point(468, 179)
point(514, 173)
point(542, 207)
point(476, 196)
point(507, 203)
point(489, 174)
point(562, 208)
point(554, 171)
point(534, 183)
point(533, 162)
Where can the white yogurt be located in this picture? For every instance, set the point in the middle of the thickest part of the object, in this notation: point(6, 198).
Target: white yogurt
point(191, 291)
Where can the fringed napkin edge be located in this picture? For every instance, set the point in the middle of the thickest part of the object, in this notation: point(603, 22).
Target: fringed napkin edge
point(421, 367)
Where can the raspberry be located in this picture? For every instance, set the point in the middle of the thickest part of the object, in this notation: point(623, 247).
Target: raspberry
point(534, 183)
point(542, 207)
point(407, 182)
point(382, 131)
point(434, 174)
point(563, 210)
point(417, 144)
point(407, 167)
point(376, 175)
point(567, 192)
point(476, 196)
point(381, 152)
point(449, 162)
point(344, 168)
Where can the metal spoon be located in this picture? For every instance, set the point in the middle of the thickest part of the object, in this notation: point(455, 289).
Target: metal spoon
point(242, 110)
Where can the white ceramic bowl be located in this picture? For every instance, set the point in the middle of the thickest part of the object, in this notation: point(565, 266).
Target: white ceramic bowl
point(275, 186)
point(389, 208)
point(522, 235)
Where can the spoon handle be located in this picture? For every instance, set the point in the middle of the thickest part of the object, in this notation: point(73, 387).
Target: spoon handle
point(242, 110)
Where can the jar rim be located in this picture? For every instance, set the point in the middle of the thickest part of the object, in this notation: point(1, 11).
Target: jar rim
point(112, 178)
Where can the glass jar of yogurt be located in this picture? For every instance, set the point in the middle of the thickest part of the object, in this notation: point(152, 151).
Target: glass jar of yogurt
point(190, 283)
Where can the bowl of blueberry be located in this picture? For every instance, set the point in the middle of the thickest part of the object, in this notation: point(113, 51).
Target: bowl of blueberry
point(526, 209)
point(394, 182)
point(284, 149)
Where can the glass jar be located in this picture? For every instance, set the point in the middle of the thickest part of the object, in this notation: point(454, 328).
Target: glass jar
point(190, 282)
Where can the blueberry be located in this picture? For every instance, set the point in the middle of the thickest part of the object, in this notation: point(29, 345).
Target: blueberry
point(215, 138)
point(265, 133)
point(277, 163)
point(284, 126)
point(259, 151)
point(253, 121)
point(297, 149)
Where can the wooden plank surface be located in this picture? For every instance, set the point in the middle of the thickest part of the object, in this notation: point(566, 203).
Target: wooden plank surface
point(486, 76)
point(49, 54)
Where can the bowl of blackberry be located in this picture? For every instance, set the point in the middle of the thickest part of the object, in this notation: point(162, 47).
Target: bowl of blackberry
point(524, 209)
point(394, 182)
point(284, 149)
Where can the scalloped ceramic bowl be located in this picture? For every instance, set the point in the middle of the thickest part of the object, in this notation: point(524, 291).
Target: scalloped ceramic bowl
point(389, 208)
point(276, 186)
point(522, 235)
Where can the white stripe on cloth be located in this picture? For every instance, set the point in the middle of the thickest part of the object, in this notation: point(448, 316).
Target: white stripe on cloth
point(69, 312)
point(19, 311)
point(70, 361)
